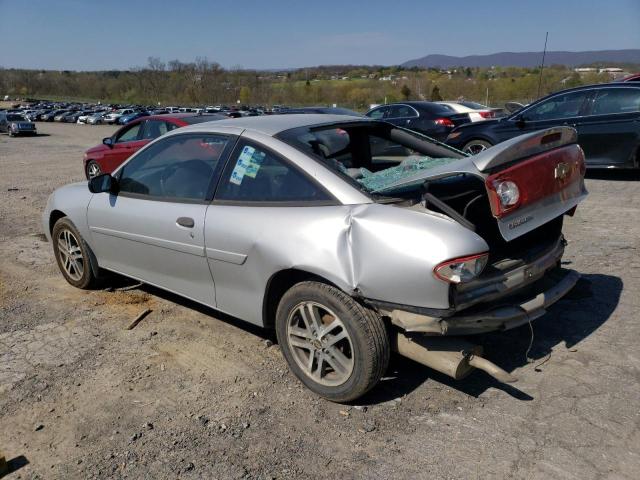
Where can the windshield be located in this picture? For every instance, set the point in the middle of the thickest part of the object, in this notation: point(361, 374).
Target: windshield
point(15, 118)
point(372, 156)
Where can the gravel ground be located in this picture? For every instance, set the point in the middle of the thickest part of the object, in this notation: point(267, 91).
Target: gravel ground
point(192, 394)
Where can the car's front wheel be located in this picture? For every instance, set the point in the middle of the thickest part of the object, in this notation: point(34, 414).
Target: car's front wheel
point(476, 146)
point(93, 169)
point(338, 348)
point(72, 254)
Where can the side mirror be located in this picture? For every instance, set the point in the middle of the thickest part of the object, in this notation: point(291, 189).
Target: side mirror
point(103, 183)
point(108, 141)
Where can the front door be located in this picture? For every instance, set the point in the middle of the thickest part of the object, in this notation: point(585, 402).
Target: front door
point(566, 109)
point(153, 228)
point(125, 143)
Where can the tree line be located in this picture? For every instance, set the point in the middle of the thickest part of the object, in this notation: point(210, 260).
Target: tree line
point(202, 82)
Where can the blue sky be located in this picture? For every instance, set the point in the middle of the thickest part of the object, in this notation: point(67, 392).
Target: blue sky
point(119, 34)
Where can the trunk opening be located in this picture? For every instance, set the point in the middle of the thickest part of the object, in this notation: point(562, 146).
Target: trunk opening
point(467, 196)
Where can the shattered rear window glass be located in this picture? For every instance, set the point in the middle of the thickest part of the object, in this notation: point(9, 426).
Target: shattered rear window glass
point(372, 156)
point(380, 182)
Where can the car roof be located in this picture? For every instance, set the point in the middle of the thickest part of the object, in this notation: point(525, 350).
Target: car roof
point(274, 124)
point(596, 85)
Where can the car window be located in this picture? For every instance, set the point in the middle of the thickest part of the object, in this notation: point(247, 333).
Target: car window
point(178, 167)
point(616, 100)
point(129, 134)
point(378, 113)
point(402, 111)
point(255, 174)
point(154, 129)
point(373, 157)
point(561, 106)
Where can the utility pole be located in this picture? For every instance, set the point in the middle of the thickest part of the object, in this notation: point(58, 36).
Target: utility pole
point(544, 53)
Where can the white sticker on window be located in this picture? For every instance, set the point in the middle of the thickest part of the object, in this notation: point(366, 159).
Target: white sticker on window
point(254, 164)
point(240, 170)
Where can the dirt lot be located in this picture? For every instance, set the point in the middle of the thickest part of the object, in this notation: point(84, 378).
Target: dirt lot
point(191, 394)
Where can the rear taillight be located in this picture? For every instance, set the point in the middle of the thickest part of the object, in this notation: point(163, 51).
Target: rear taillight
point(534, 179)
point(461, 270)
point(444, 122)
point(487, 114)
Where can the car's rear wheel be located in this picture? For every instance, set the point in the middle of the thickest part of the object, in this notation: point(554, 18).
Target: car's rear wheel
point(73, 255)
point(338, 348)
point(93, 169)
point(476, 146)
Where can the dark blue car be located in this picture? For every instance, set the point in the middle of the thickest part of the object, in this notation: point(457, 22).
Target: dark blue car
point(606, 116)
point(432, 119)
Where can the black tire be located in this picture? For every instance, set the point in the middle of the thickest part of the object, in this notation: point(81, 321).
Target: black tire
point(92, 164)
point(476, 146)
point(367, 336)
point(85, 279)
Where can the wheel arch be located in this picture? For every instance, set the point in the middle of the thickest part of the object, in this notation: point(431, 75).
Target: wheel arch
point(277, 286)
point(54, 216)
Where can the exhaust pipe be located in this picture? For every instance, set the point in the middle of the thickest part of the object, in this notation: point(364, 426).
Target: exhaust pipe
point(449, 355)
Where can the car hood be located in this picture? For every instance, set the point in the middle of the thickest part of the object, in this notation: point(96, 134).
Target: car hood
point(97, 148)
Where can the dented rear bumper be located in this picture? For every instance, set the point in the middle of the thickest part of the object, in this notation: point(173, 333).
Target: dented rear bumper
point(510, 296)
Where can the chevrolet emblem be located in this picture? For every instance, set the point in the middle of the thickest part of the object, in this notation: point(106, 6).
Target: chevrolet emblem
point(562, 171)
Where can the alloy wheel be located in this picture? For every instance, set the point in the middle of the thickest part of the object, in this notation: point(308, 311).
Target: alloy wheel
point(70, 254)
point(475, 148)
point(320, 344)
point(93, 169)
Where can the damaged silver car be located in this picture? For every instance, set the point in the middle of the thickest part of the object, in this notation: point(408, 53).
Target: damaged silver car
point(350, 237)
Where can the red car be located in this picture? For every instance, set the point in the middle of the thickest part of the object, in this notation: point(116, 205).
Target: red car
point(114, 150)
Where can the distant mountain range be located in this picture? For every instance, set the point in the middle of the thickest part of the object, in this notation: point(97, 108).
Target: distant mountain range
point(527, 59)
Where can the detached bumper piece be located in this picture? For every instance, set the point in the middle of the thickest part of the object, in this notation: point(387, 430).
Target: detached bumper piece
point(513, 311)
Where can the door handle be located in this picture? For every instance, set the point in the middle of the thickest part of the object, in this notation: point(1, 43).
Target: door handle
point(185, 222)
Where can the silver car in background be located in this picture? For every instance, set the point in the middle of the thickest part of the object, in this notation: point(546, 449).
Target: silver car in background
point(15, 124)
point(96, 118)
point(351, 237)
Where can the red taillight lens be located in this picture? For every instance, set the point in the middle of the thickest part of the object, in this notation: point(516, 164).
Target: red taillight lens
point(487, 114)
point(445, 122)
point(534, 179)
point(461, 270)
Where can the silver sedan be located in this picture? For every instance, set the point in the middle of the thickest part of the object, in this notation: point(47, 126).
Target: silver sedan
point(350, 237)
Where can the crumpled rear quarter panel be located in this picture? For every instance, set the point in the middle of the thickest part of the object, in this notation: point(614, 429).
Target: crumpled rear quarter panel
point(395, 250)
point(383, 252)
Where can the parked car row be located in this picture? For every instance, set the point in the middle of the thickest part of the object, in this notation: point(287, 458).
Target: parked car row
point(95, 114)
